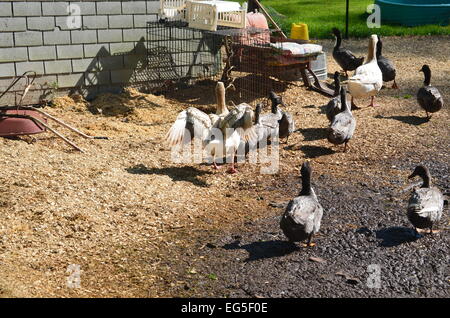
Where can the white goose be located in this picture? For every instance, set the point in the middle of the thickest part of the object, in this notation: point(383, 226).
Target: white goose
point(368, 79)
point(193, 123)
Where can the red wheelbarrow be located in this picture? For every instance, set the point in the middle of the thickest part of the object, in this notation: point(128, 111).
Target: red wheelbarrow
point(28, 120)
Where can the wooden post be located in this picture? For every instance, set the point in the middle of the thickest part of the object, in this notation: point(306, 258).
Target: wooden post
point(346, 19)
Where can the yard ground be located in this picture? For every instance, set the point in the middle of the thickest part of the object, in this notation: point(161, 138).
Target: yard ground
point(139, 225)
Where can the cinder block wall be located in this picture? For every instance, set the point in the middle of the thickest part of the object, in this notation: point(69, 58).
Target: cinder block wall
point(102, 53)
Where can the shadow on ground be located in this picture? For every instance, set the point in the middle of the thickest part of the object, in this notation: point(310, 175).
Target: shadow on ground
point(262, 250)
point(411, 120)
point(311, 134)
point(185, 173)
point(316, 151)
point(395, 235)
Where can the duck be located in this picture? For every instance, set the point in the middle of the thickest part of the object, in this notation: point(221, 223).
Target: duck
point(345, 58)
point(343, 125)
point(386, 66)
point(368, 79)
point(429, 97)
point(334, 105)
point(303, 214)
point(286, 121)
point(426, 204)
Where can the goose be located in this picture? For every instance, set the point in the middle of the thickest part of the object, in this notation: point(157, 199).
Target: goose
point(193, 118)
point(426, 203)
point(302, 217)
point(334, 105)
point(368, 78)
point(266, 127)
point(237, 126)
point(429, 97)
point(286, 121)
point(386, 66)
point(268, 124)
point(345, 58)
point(343, 125)
point(193, 123)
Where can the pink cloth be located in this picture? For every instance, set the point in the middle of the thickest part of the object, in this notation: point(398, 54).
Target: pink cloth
point(256, 20)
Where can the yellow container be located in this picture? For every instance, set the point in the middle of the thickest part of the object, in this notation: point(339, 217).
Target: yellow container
point(299, 31)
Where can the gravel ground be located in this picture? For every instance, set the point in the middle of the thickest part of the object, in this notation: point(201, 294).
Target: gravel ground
point(139, 225)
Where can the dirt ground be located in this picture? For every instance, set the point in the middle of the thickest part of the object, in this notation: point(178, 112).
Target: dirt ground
point(139, 225)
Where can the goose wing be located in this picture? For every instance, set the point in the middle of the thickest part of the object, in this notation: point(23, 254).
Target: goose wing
point(241, 119)
point(430, 98)
point(427, 203)
point(190, 123)
point(306, 212)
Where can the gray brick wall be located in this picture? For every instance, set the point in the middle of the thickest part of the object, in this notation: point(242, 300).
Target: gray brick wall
point(94, 56)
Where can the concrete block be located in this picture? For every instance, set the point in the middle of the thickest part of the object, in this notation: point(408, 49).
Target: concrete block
point(42, 53)
point(92, 50)
point(58, 67)
point(134, 35)
point(27, 9)
point(153, 6)
point(97, 78)
point(7, 69)
point(13, 54)
point(70, 51)
point(57, 37)
point(28, 38)
point(107, 36)
point(5, 9)
point(6, 40)
point(41, 23)
point(13, 24)
point(72, 80)
point(86, 8)
point(121, 76)
point(120, 21)
point(95, 22)
point(110, 62)
point(109, 7)
point(133, 7)
point(121, 48)
point(22, 67)
point(62, 23)
point(57, 8)
point(85, 65)
point(85, 36)
point(140, 20)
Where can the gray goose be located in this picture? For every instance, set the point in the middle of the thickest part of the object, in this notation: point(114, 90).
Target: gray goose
point(286, 121)
point(429, 97)
point(334, 105)
point(343, 125)
point(426, 203)
point(303, 215)
point(386, 66)
point(345, 58)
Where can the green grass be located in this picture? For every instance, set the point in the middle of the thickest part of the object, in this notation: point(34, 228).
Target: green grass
point(322, 15)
